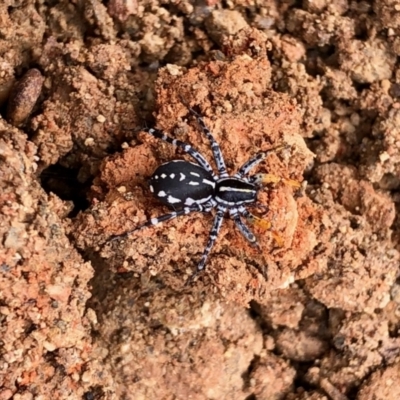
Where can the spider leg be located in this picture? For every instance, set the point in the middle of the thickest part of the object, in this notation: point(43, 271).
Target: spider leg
point(165, 217)
point(187, 148)
point(219, 217)
point(263, 224)
point(259, 205)
point(219, 159)
point(255, 160)
point(244, 230)
point(270, 178)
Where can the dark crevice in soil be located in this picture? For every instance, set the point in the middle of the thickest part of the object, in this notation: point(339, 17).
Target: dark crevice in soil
point(64, 183)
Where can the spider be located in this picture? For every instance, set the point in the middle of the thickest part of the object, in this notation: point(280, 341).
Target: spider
point(194, 187)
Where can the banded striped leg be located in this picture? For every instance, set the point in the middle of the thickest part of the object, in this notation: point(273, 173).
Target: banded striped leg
point(218, 157)
point(219, 217)
point(186, 147)
point(244, 230)
point(248, 165)
point(165, 217)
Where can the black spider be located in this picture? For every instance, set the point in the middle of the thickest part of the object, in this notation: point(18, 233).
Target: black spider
point(189, 187)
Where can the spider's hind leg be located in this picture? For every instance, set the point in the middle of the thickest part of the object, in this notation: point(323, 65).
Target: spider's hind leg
point(187, 148)
point(162, 218)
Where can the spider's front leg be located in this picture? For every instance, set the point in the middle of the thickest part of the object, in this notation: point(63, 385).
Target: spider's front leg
point(255, 160)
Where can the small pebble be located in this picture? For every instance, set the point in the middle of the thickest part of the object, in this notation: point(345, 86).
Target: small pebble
point(23, 97)
point(101, 118)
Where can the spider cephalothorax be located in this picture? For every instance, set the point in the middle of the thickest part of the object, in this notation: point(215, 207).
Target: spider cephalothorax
point(189, 187)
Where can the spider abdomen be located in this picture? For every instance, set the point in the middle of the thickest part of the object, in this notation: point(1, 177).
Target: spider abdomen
point(234, 192)
point(181, 183)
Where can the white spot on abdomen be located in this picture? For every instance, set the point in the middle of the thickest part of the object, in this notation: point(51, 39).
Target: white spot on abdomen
point(161, 193)
point(173, 200)
point(189, 201)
